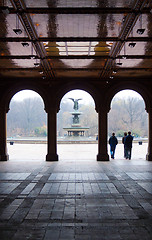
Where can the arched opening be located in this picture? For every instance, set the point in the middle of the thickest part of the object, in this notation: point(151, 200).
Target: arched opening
point(26, 127)
point(128, 114)
point(77, 126)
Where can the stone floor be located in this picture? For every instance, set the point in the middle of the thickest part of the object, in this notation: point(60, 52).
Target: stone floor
point(76, 199)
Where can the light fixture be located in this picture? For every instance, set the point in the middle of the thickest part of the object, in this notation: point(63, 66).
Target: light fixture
point(111, 77)
point(44, 77)
point(32, 55)
point(123, 20)
point(140, 30)
point(114, 72)
point(25, 44)
point(124, 56)
point(17, 30)
point(119, 63)
point(41, 72)
point(132, 45)
point(36, 64)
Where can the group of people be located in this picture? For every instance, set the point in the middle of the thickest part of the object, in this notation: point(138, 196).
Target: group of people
point(126, 140)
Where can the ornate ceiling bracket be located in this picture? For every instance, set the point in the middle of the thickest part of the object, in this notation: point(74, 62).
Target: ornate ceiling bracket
point(25, 18)
point(126, 28)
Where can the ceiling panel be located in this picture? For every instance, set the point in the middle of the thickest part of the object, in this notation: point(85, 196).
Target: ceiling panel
point(79, 3)
point(77, 25)
point(73, 39)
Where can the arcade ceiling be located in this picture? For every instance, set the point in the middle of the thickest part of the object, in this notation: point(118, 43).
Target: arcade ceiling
point(64, 39)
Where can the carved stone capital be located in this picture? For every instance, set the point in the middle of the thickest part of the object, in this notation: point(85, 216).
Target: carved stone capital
point(103, 108)
point(51, 109)
point(4, 109)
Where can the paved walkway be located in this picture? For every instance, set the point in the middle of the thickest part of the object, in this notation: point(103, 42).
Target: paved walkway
point(70, 151)
point(75, 199)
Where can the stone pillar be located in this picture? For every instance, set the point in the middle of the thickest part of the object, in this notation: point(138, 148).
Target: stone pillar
point(149, 154)
point(102, 135)
point(3, 139)
point(52, 136)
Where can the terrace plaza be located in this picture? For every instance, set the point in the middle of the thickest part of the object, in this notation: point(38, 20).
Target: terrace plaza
point(53, 47)
point(76, 197)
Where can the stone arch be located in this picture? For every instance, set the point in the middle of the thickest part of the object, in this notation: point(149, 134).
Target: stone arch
point(77, 86)
point(5, 99)
point(112, 91)
point(9, 93)
point(137, 87)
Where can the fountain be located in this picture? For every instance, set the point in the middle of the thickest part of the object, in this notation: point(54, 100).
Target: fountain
point(76, 130)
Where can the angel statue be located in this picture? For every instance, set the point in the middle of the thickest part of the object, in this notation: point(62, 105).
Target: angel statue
point(76, 106)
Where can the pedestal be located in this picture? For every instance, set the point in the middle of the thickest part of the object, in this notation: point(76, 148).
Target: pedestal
point(51, 157)
point(102, 157)
point(4, 157)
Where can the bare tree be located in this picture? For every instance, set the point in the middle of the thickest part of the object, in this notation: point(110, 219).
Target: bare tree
point(128, 114)
point(25, 115)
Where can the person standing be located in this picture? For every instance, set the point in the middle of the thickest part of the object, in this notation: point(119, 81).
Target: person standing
point(113, 142)
point(128, 145)
point(123, 141)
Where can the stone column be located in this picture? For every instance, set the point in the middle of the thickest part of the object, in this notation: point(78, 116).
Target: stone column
point(149, 154)
point(52, 136)
point(102, 135)
point(3, 139)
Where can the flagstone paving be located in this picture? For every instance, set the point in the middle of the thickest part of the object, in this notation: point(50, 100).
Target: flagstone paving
point(76, 199)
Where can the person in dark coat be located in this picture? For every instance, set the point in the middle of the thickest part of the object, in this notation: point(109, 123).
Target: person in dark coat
point(123, 141)
point(113, 142)
point(128, 145)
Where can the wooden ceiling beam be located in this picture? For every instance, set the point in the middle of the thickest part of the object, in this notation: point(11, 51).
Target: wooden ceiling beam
point(29, 27)
point(127, 26)
point(76, 39)
point(77, 10)
point(74, 69)
point(104, 57)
